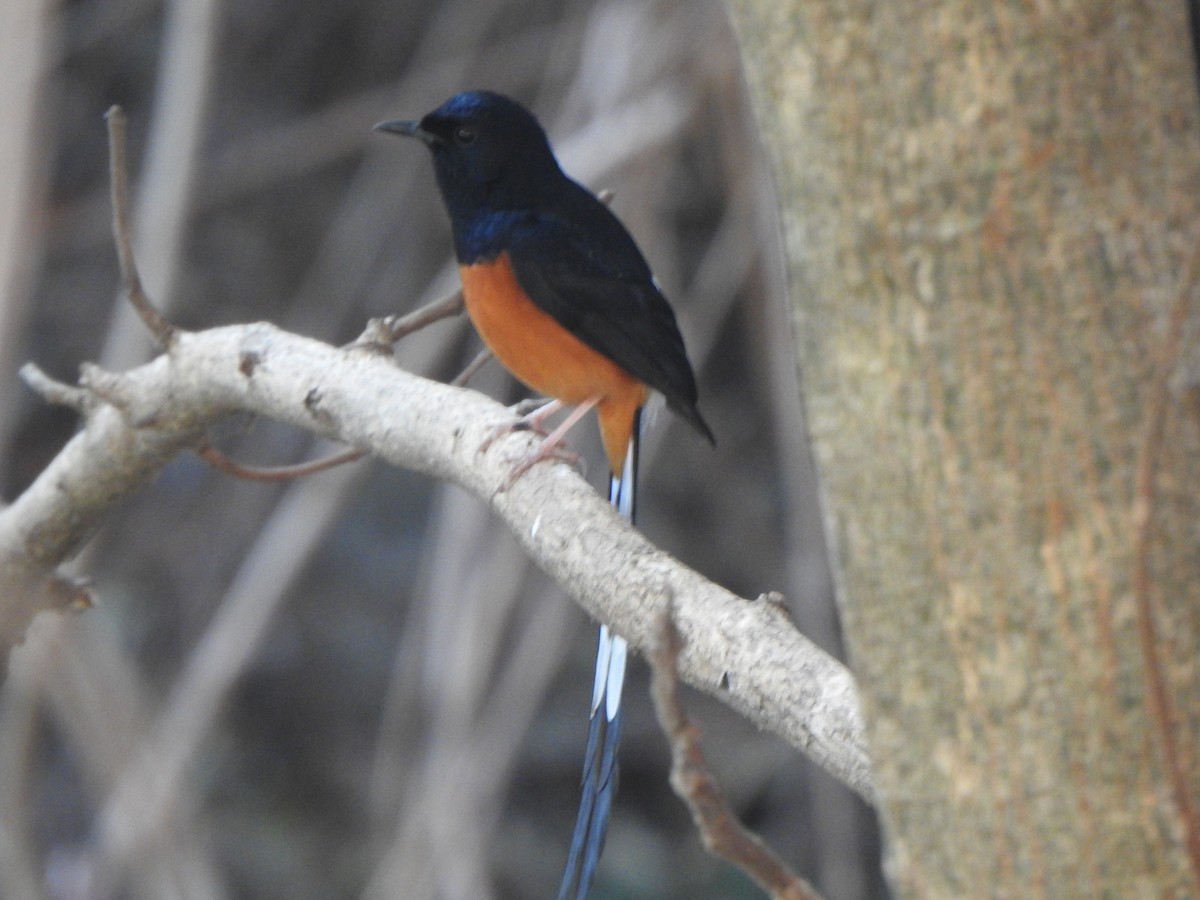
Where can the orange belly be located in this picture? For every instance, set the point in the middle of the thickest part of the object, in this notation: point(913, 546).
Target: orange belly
point(548, 358)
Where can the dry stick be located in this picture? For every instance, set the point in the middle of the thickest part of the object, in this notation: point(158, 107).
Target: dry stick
point(472, 367)
point(1158, 697)
point(382, 333)
point(54, 391)
point(223, 463)
point(162, 330)
point(719, 828)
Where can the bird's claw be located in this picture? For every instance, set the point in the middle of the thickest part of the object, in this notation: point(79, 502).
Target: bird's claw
point(544, 451)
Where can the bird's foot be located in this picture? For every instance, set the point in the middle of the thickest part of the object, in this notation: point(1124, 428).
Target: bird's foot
point(551, 447)
point(547, 449)
point(531, 416)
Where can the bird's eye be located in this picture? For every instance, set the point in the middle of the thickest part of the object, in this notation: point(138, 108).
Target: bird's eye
point(465, 134)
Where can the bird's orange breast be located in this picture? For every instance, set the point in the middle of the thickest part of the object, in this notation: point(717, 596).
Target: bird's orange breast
point(546, 356)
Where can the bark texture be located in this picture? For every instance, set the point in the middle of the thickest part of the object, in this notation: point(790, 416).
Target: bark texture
point(991, 215)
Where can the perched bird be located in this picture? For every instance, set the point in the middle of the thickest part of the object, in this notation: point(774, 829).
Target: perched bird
point(560, 293)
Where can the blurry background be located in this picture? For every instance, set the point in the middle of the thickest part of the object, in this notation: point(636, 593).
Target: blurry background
point(355, 685)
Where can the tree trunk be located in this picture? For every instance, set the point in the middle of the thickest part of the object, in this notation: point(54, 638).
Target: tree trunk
point(991, 214)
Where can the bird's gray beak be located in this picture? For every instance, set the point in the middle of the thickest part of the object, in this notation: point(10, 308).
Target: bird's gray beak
point(408, 129)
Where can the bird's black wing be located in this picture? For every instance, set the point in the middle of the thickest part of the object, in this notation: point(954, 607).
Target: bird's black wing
point(593, 280)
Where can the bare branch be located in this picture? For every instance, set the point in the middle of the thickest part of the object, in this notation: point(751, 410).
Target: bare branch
point(472, 367)
point(746, 653)
point(53, 391)
point(719, 828)
point(123, 234)
point(382, 333)
point(223, 463)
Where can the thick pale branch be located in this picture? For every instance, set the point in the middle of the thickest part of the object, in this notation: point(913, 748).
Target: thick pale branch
point(745, 652)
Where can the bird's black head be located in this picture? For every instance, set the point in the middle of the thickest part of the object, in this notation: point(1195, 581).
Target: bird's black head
point(488, 150)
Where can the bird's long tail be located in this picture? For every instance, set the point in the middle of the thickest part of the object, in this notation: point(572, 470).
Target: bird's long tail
point(604, 730)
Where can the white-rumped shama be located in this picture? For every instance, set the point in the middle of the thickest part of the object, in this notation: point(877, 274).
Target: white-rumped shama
point(561, 294)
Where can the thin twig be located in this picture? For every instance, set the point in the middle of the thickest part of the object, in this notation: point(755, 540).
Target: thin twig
point(162, 330)
point(472, 367)
point(223, 463)
point(384, 332)
point(1158, 697)
point(719, 828)
point(54, 391)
